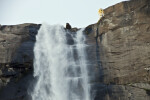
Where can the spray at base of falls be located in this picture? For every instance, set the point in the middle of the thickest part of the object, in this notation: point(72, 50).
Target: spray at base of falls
point(60, 67)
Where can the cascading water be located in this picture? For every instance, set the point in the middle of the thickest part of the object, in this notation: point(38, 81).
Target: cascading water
point(60, 67)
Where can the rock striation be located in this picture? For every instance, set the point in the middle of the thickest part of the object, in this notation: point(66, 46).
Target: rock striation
point(122, 37)
point(16, 60)
point(118, 50)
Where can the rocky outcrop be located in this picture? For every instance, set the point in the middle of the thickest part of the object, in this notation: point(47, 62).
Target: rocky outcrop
point(122, 37)
point(16, 60)
point(68, 26)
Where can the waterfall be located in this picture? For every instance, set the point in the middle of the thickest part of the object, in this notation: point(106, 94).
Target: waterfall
point(60, 66)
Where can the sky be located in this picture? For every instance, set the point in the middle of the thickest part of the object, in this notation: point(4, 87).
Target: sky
point(79, 13)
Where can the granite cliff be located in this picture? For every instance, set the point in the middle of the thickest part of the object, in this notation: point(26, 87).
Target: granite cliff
point(123, 50)
point(119, 52)
point(16, 60)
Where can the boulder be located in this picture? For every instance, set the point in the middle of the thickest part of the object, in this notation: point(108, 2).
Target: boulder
point(68, 26)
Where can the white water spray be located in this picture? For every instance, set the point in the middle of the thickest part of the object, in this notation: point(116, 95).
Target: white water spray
point(60, 67)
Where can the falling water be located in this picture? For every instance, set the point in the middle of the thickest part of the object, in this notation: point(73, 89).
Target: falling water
point(60, 65)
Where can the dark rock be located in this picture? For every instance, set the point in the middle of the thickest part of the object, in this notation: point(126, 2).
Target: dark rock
point(74, 29)
point(16, 60)
point(68, 26)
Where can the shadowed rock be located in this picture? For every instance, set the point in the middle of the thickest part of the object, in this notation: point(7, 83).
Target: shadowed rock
point(68, 26)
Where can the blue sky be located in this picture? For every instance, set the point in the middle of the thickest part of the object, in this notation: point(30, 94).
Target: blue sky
point(79, 13)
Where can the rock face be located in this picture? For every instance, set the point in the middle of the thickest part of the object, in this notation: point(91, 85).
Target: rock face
point(122, 37)
point(119, 53)
point(16, 60)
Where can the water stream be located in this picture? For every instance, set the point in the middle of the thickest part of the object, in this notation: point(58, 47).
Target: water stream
point(60, 65)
